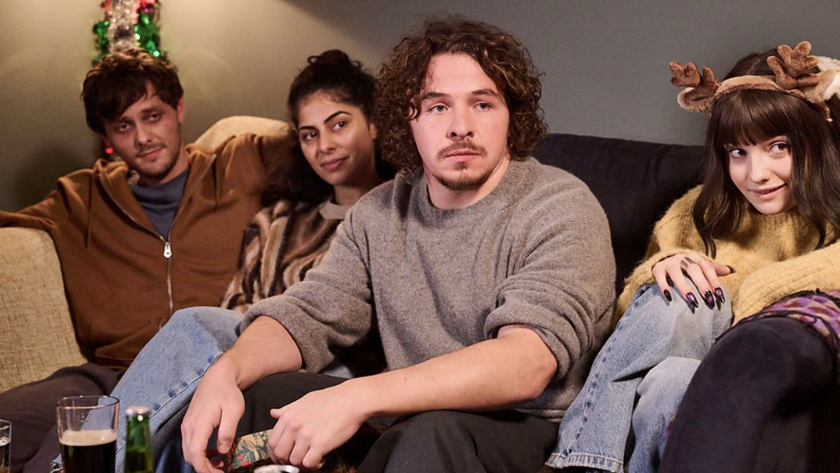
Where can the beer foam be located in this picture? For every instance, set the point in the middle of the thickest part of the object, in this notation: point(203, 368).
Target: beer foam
point(87, 438)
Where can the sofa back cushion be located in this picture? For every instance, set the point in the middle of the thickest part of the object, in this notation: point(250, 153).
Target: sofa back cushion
point(635, 182)
point(36, 333)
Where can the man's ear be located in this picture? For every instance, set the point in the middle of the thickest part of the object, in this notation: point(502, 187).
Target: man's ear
point(374, 132)
point(181, 110)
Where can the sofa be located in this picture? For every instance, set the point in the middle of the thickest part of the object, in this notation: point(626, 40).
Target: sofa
point(634, 181)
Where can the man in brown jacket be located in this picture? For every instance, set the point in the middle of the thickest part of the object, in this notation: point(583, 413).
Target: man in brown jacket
point(139, 238)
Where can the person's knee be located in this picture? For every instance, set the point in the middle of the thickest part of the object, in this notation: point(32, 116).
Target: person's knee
point(434, 428)
point(205, 317)
point(280, 389)
point(276, 391)
point(199, 326)
point(685, 330)
point(769, 358)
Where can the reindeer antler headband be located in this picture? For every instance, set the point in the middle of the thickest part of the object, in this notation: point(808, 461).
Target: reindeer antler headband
point(791, 76)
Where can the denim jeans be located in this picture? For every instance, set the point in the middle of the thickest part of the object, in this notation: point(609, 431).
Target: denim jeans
point(167, 371)
point(636, 383)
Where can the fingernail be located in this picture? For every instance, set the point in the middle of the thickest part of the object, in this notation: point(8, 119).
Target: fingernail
point(719, 294)
point(692, 299)
point(709, 299)
point(668, 295)
point(731, 269)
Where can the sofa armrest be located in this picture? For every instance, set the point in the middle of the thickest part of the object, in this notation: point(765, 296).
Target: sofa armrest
point(36, 333)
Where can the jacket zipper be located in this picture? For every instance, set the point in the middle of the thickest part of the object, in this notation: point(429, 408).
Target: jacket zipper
point(167, 252)
point(167, 247)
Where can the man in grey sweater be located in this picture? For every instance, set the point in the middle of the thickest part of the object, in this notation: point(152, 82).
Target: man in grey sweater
point(487, 276)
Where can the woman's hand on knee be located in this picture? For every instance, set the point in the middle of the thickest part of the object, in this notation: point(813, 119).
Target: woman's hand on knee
point(682, 269)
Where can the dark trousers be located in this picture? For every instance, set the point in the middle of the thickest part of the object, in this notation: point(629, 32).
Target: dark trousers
point(764, 399)
point(31, 408)
point(439, 441)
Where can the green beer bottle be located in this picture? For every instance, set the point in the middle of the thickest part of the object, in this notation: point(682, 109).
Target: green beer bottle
point(138, 441)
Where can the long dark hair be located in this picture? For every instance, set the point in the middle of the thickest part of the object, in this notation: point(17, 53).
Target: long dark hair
point(331, 72)
point(750, 116)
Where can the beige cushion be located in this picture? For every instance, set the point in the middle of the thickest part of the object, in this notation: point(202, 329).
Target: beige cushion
point(237, 125)
point(36, 333)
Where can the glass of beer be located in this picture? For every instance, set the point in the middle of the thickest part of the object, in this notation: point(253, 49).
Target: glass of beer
point(5, 446)
point(87, 432)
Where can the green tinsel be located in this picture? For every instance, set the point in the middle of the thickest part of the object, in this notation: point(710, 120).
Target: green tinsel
point(146, 32)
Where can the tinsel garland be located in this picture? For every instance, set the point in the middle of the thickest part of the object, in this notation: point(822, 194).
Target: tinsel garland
point(128, 24)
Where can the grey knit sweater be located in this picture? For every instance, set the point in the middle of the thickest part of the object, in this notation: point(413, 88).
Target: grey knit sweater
point(535, 251)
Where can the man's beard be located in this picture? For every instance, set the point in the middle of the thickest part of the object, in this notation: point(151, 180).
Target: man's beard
point(157, 175)
point(464, 182)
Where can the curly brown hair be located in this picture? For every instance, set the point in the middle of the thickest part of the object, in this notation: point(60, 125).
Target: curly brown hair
point(120, 79)
point(500, 55)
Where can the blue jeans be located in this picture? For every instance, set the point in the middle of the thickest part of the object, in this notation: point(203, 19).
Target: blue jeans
point(165, 374)
point(167, 371)
point(636, 383)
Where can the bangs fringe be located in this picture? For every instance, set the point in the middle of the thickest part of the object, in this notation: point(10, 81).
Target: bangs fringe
point(749, 117)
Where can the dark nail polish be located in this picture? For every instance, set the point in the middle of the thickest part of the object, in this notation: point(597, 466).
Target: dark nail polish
point(692, 299)
point(719, 294)
point(668, 295)
point(709, 299)
point(669, 280)
point(731, 269)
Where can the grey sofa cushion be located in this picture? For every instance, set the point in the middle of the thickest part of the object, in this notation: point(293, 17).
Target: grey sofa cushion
point(635, 182)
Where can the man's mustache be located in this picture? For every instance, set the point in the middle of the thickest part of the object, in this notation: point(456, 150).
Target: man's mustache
point(457, 148)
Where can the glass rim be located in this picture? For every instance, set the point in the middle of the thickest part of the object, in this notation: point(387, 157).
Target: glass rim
point(100, 402)
point(5, 423)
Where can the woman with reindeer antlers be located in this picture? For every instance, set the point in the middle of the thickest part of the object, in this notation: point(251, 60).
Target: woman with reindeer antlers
point(770, 207)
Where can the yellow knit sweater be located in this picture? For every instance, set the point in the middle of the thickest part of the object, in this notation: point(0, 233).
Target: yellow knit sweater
point(774, 256)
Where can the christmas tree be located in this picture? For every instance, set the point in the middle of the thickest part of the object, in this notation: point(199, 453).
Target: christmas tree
point(128, 24)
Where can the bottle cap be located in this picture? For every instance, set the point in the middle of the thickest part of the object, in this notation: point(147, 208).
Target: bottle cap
point(134, 411)
point(277, 469)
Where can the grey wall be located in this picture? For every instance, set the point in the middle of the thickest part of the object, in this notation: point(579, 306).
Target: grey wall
point(605, 62)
